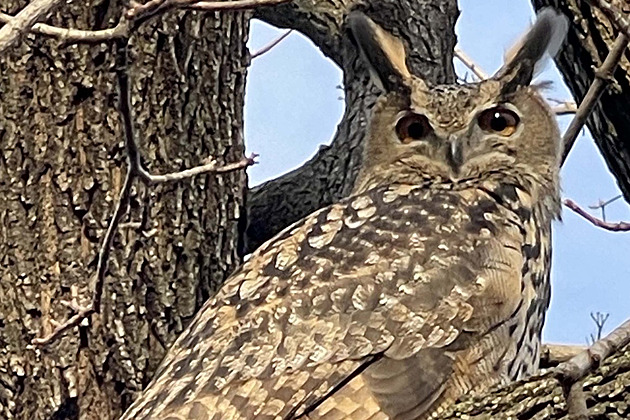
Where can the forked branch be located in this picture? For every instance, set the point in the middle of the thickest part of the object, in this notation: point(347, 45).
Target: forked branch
point(611, 226)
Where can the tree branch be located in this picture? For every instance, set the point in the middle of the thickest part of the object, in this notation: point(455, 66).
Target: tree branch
point(586, 361)
point(563, 107)
point(552, 355)
point(605, 378)
point(572, 372)
point(131, 19)
point(270, 45)
point(215, 6)
point(72, 36)
point(613, 227)
point(470, 63)
point(603, 76)
point(134, 171)
point(15, 28)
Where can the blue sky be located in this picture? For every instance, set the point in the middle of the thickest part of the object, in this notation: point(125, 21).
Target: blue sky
point(293, 105)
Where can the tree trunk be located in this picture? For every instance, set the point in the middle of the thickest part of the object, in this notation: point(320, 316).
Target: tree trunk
point(590, 38)
point(428, 25)
point(62, 164)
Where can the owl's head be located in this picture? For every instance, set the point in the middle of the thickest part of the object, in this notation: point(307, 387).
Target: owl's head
point(460, 133)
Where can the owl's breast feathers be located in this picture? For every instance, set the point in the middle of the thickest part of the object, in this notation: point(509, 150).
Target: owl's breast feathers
point(383, 305)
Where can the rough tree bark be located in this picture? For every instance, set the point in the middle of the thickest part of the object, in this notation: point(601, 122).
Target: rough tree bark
point(590, 37)
point(61, 160)
point(606, 393)
point(61, 167)
point(428, 25)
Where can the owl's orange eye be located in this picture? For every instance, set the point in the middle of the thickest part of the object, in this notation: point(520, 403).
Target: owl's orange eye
point(413, 127)
point(499, 120)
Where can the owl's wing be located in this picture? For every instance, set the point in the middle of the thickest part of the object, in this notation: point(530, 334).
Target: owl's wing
point(347, 297)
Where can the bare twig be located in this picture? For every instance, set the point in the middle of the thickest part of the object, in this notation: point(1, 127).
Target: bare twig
point(603, 76)
point(564, 107)
point(470, 63)
point(210, 167)
point(271, 45)
point(134, 170)
point(600, 320)
point(61, 328)
point(214, 6)
point(603, 204)
point(23, 21)
point(142, 12)
point(131, 145)
point(614, 227)
point(561, 107)
point(103, 257)
point(131, 19)
point(145, 11)
point(72, 36)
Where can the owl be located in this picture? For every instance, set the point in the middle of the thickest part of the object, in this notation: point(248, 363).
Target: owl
point(429, 282)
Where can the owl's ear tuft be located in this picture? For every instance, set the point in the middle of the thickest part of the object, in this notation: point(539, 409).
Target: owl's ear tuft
point(383, 52)
point(527, 56)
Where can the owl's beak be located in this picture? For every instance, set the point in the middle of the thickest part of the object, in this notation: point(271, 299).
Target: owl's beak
point(455, 153)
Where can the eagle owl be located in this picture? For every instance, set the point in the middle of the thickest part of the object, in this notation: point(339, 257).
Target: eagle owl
point(429, 282)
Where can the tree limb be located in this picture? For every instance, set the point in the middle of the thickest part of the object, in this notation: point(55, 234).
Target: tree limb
point(614, 227)
point(15, 28)
point(591, 36)
point(603, 368)
point(603, 76)
point(134, 171)
point(552, 355)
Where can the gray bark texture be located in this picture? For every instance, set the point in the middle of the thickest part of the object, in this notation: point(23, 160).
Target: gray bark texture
point(62, 164)
point(590, 37)
point(606, 393)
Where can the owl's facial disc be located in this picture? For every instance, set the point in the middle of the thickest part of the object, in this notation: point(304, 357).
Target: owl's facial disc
point(483, 130)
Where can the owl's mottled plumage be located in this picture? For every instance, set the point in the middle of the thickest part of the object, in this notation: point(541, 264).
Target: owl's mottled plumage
point(429, 282)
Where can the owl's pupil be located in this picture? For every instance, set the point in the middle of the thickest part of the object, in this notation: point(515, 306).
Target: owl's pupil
point(498, 122)
point(415, 130)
